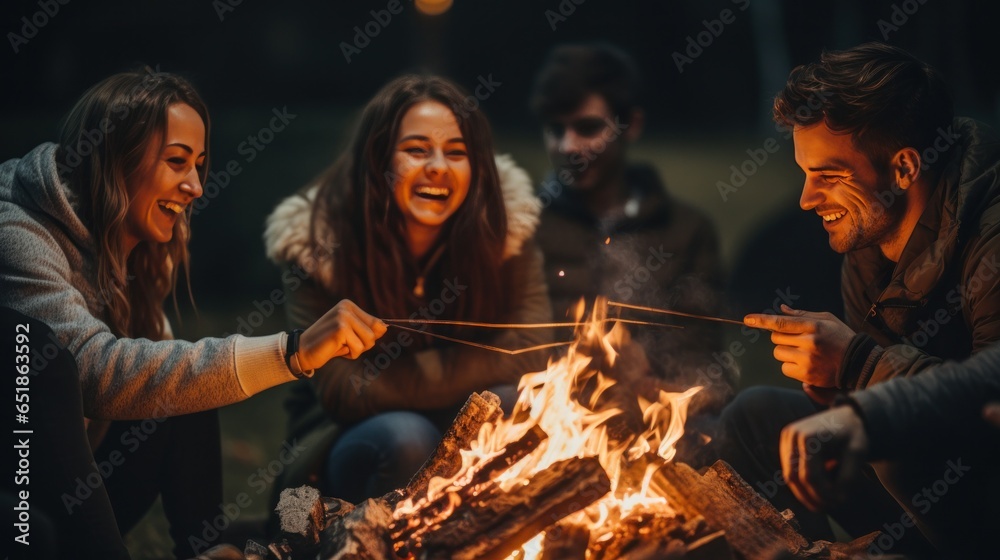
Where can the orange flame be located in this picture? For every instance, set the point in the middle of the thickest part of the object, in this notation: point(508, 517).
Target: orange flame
point(572, 402)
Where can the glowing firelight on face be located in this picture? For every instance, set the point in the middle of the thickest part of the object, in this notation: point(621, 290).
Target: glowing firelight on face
point(567, 401)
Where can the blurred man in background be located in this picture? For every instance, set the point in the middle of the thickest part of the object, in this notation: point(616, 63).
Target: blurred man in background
point(610, 228)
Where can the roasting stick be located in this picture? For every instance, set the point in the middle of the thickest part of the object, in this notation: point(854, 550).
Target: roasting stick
point(484, 346)
point(669, 312)
point(393, 323)
point(523, 325)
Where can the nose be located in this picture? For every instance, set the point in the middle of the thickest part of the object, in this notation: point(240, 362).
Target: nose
point(811, 195)
point(569, 143)
point(191, 185)
point(436, 164)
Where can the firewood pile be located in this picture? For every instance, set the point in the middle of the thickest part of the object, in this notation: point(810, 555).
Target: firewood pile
point(583, 468)
point(713, 515)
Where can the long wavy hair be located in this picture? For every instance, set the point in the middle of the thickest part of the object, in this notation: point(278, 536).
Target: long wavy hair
point(103, 141)
point(372, 262)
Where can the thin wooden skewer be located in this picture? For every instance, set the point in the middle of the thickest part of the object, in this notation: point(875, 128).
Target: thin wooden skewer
point(669, 312)
point(486, 346)
point(392, 323)
point(637, 322)
point(524, 325)
point(485, 325)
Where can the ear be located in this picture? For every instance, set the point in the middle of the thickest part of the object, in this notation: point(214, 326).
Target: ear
point(905, 166)
point(637, 120)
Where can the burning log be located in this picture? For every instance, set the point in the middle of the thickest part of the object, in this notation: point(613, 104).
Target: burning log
point(753, 527)
point(710, 547)
point(335, 509)
point(858, 548)
point(488, 522)
point(636, 532)
point(480, 409)
point(672, 550)
point(565, 541)
point(360, 535)
point(302, 516)
point(512, 453)
point(661, 534)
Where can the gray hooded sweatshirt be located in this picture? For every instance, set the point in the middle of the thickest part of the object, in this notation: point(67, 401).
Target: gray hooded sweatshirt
point(48, 272)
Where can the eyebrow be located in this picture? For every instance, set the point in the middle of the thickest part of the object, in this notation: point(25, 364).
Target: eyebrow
point(426, 139)
point(185, 147)
point(834, 164)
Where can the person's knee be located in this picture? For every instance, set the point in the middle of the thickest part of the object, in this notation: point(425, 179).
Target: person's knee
point(411, 437)
point(748, 408)
point(508, 396)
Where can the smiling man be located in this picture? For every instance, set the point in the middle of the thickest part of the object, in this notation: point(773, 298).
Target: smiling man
point(910, 196)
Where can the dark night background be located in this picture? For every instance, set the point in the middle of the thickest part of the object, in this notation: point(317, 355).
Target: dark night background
point(263, 55)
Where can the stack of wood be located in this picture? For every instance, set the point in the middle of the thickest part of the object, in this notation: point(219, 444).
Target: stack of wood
point(714, 515)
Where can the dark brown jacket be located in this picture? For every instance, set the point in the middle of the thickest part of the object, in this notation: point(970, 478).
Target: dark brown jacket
point(661, 253)
point(941, 301)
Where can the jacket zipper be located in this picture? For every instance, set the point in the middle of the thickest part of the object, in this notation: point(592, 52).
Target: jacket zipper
point(873, 310)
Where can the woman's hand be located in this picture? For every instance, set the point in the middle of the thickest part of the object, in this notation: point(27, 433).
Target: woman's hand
point(345, 330)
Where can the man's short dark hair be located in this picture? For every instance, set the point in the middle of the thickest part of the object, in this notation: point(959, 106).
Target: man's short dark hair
point(881, 95)
point(572, 72)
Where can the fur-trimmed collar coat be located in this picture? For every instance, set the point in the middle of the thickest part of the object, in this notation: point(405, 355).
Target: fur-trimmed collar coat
point(394, 375)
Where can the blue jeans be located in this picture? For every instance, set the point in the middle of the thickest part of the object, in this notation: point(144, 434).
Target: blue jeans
point(379, 455)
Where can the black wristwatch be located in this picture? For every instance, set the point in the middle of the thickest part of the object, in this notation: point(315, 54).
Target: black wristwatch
point(292, 348)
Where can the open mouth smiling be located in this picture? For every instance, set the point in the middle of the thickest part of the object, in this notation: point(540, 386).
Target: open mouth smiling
point(171, 208)
point(430, 192)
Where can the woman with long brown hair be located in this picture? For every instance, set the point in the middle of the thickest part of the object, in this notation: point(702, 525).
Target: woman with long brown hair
point(93, 237)
point(426, 224)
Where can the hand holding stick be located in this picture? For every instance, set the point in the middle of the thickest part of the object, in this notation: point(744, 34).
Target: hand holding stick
point(345, 330)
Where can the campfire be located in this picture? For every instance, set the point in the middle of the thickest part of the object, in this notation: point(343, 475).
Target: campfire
point(582, 468)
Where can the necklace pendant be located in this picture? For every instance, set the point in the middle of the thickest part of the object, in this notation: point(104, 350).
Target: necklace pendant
point(418, 289)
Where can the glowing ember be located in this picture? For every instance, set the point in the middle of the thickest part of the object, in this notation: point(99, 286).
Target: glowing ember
point(584, 412)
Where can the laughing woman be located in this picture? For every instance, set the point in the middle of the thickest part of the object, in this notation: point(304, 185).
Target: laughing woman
point(418, 219)
point(93, 236)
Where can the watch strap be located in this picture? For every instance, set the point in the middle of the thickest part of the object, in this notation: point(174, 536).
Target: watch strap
point(291, 355)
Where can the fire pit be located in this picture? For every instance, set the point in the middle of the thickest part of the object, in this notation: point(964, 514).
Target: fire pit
point(582, 468)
